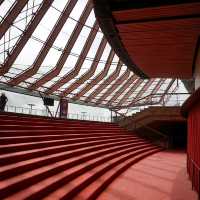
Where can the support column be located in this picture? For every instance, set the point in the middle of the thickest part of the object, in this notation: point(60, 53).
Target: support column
point(63, 108)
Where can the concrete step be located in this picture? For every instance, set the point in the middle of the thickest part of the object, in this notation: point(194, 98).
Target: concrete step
point(20, 126)
point(34, 132)
point(25, 139)
point(95, 188)
point(44, 158)
point(31, 164)
point(27, 154)
point(9, 148)
point(59, 174)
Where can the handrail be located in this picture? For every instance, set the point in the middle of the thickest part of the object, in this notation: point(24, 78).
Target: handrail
point(165, 138)
point(42, 112)
point(157, 132)
point(192, 175)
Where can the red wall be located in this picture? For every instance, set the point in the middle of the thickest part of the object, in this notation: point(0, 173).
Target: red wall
point(193, 148)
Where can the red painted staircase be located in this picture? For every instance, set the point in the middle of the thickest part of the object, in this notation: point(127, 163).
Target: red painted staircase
point(45, 158)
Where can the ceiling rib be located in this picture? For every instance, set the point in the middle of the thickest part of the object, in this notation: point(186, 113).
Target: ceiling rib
point(67, 50)
point(111, 89)
point(1, 1)
point(25, 36)
point(156, 13)
point(118, 90)
point(105, 83)
point(73, 73)
point(166, 90)
point(11, 16)
point(47, 46)
point(130, 91)
point(141, 92)
point(98, 78)
point(90, 72)
point(156, 89)
point(169, 95)
point(122, 89)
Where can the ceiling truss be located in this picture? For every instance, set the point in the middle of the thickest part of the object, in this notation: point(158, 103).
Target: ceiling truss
point(106, 82)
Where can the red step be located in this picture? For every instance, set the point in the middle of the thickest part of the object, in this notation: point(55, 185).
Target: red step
point(44, 158)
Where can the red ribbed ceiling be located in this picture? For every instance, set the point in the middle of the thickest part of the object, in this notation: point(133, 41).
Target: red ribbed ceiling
point(161, 41)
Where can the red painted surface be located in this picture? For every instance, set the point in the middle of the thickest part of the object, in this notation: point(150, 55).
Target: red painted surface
point(191, 110)
point(44, 158)
point(162, 176)
point(194, 145)
point(161, 47)
point(156, 12)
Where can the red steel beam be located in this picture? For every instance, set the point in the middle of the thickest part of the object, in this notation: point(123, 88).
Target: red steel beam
point(66, 52)
point(148, 97)
point(142, 91)
point(73, 73)
point(105, 83)
point(1, 1)
point(156, 88)
point(144, 88)
point(47, 46)
point(90, 72)
point(11, 16)
point(167, 90)
point(122, 89)
point(169, 96)
point(98, 78)
point(25, 37)
point(130, 91)
point(111, 89)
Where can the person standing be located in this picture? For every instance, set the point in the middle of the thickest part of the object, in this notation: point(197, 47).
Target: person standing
point(3, 101)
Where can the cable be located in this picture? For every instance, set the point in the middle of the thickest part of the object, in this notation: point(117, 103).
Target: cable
point(59, 48)
point(74, 19)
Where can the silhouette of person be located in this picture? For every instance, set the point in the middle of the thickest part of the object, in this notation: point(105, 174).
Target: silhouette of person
point(3, 101)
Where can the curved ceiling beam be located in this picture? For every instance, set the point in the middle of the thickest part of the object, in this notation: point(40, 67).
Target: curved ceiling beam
point(130, 91)
point(105, 83)
point(67, 50)
point(90, 72)
point(25, 36)
point(156, 88)
point(11, 15)
point(47, 46)
point(106, 23)
point(111, 89)
point(122, 89)
point(141, 92)
point(73, 73)
point(1, 1)
point(148, 97)
point(98, 78)
point(167, 90)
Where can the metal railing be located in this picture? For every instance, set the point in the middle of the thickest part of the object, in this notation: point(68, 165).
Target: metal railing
point(194, 168)
point(176, 99)
point(43, 112)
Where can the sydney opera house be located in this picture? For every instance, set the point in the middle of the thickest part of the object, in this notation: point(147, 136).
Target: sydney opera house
point(138, 59)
